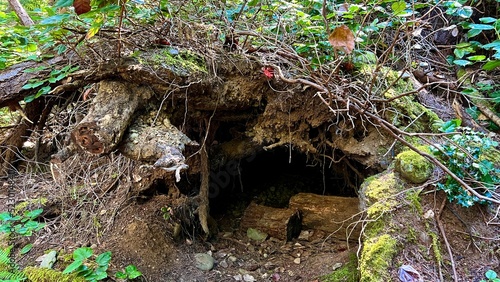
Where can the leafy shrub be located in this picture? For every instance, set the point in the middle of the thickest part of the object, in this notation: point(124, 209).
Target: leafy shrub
point(472, 157)
point(23, 225)
point(90, 270)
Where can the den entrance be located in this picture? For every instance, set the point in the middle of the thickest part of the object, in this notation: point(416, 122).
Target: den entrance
point(284, 192)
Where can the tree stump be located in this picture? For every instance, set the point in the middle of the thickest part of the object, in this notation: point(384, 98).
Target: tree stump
point(283, 224)
point(332, 214)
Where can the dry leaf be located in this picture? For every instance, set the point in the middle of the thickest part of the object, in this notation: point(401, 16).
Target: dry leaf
point(342, 39)
point(81, 6)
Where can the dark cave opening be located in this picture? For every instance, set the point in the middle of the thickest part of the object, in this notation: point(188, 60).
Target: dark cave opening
point(272, 177)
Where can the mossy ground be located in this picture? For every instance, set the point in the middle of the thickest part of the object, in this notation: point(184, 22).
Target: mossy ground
point(347, 273)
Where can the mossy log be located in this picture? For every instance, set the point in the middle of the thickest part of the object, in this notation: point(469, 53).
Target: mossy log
point(283, 224)
point(332, 214)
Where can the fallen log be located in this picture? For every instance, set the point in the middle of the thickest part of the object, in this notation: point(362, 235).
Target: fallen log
point(332, 214)
point(283, 224)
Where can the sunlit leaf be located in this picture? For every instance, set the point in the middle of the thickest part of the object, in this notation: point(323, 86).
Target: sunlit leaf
point(462, 63)
point(342, 38)
point(481, 26)
point(491, 65)
point(477, 58)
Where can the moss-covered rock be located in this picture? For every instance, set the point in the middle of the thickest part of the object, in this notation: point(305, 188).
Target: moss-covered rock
point(413, 167)
point(376, 258)
point(36, 274)
point(377, 198)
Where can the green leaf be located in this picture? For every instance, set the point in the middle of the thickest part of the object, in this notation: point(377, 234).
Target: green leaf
point(495, 45)
point(462, 63)
point(487, 20)
point(398, 7)
point(31, 47)
point(73, 266)
point(104, 259)
point(63, 3)
point(132, 272)
point(34, 84)
point(490, 274)
point(120, 275)
point(34, 213)
point(5, 216)
point(481, 26)
point(491, 65)
point(473, 32)
point(25, 249)
point(477, 58)
point(82, 253)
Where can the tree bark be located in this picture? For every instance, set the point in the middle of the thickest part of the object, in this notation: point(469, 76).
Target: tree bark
point(21, 12)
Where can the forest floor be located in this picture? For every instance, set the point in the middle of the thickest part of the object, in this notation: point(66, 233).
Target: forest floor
point(135, 230)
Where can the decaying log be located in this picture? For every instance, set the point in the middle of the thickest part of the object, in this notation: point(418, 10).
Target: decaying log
point(110, 115)
point(150, 138)
point(332, 214)
point(283, 224)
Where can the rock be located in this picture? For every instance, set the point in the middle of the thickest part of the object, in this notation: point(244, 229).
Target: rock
point(204, 261)
point(413, 167)
point(296, 261)
point(256, 234)
point(248, 278)
point(232, 258)
point(224, 264)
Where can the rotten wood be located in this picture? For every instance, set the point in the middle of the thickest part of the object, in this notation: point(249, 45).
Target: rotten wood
point(335, 215)
point(283, 224)
point(104, 126)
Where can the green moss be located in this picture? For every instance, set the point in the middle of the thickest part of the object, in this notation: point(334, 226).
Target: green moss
point(376, 258)
point(183, 63)
point(436, 247)
point(414, 198)
point(378, 194)
point(413, 167)
point(404, 111)
point(36, 274)
point(347, 273)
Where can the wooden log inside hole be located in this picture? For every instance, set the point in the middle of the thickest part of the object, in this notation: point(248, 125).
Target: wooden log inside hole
point(332, 214)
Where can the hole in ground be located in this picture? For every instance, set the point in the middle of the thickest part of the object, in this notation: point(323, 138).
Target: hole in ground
point(271, 178)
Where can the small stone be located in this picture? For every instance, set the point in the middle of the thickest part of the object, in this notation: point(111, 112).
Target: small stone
point(336, 266)
point(296, 261)
point(248, 278)
point(224, 264)
point(238, 277)
point(304, 235)
point(204, 261)
point(232, 258)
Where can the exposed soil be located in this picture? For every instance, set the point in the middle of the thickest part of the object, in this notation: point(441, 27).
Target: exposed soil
point(133, 227)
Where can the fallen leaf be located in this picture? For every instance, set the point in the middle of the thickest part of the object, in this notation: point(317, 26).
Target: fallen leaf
point(342, 39)
point(268, 72)
point(81, 6)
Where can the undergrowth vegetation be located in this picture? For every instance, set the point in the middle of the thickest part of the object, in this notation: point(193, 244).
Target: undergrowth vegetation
point(368, 61)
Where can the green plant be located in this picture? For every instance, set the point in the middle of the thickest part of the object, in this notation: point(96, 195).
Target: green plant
point(130, 272)
point(90, 270)
point(470, 156)
point(9, 270)
point(491, 276)
point(472, 51)
point(23, 225)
